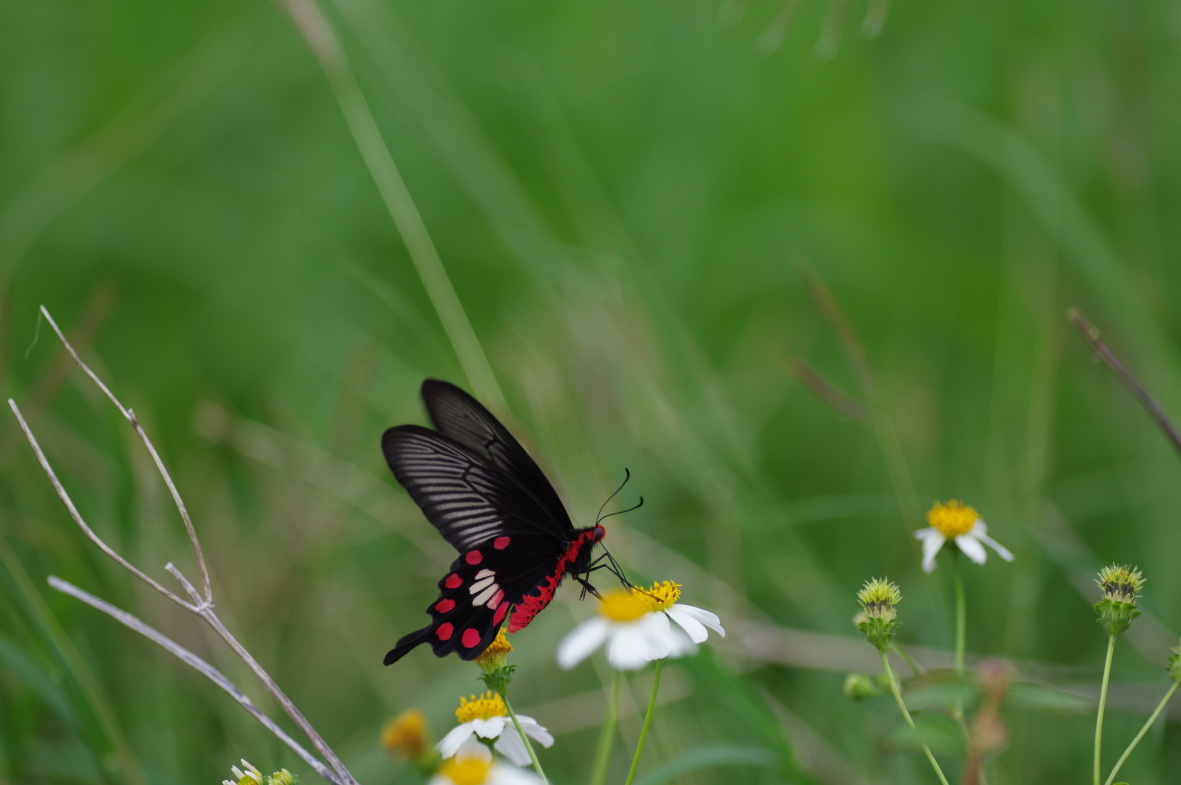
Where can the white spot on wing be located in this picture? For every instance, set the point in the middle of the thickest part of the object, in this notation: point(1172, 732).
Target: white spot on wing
point(485, 595)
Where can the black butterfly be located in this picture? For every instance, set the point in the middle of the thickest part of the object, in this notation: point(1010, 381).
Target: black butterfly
point(476, 484)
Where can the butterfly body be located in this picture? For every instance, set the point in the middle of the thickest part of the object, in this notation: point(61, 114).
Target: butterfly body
point(476, 484)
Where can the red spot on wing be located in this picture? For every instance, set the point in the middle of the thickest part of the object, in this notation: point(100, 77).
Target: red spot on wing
point(500, 543)
point(444, 631)
point(496, 599)
point(501, 612)
point(473, 557)
point(442, 606)
point(453, 581)
point(470, 638)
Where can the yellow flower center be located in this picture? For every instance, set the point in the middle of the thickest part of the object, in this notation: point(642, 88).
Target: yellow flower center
point(469, 771)
point(664, 594)
point(952, 519)
point(406, 733)
point(499, 648)
point(626, 605)
point(480, 708)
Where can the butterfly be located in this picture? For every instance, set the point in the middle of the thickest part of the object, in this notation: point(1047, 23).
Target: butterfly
point(476, 484)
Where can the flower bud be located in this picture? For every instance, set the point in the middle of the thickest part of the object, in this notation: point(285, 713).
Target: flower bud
point(878, 617)
point(1121, 586)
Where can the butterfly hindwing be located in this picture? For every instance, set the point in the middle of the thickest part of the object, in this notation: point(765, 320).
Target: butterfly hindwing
point(475, 597)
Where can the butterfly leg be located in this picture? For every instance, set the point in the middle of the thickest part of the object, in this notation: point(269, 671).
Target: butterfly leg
point(611, 566)
point(587, 587)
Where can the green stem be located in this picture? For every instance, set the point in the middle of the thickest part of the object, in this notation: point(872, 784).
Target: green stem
point(607, 732)
point(1159, 708)
point(528, 745)
point(914, 666)
point(902, 705)
point(961, 617)
point(631, 775)
point(961, 629)
point(1103, 703)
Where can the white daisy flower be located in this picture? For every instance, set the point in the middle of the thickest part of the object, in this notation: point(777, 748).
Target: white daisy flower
point(635, 627)
point(958, 522)
point(486, 717)
point(251, 774)
point(473, 771)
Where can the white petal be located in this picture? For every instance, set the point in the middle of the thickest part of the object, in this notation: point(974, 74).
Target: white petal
point(681, 645)
point(500, 774)
point(629, 647)
point(535, 731)
point(473, 748)
point(972, 548)
point(490, 728)
point(659, 633)
point(694, 621)
point(933, 540)
point(454, 739)
point(510, 746)
point(581, 641)
point(1001, 550)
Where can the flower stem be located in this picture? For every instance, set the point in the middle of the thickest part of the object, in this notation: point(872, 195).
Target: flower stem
point(631, 775)
point(528, 745)
point(1160, 707)
point(914, 666)
point(607, 732)
point(961, 629)
point(1103, 703)
point(961, 618)
point(906, 714)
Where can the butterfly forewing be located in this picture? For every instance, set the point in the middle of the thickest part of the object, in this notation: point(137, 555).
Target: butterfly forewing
point(465, 498)
point(460, 416)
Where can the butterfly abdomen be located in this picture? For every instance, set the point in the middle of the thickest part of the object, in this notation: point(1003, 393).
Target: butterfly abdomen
point(574, 562)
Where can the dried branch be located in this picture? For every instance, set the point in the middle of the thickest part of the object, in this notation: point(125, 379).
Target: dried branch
point(844, 331)
point(203, 667)
point(130, 415)
point(1090, 334)
point(826, 391)
point(78, 519)
point(202, 601)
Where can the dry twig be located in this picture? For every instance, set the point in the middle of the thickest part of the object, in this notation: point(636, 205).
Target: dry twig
point(1090, 334)
point(200, 602)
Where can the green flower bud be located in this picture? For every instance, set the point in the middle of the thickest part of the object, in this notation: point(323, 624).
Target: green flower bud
point(496, 674)
point(1121, 586)
point(859, 686)
point(878, 618)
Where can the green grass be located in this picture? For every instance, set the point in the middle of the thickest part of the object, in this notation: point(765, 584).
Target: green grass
point(604, 223)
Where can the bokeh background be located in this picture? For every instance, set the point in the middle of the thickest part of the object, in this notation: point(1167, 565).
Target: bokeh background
point(657, 219)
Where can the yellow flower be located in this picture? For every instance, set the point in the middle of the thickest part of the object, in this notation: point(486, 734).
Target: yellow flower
point(960, 523)
point(481, 772)
point(486, 717)
point(406, 735)
point(634, 625)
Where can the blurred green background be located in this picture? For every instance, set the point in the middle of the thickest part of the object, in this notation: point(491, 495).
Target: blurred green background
point(634, 203)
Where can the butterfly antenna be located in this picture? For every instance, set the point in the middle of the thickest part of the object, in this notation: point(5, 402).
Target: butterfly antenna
point(627, 475)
